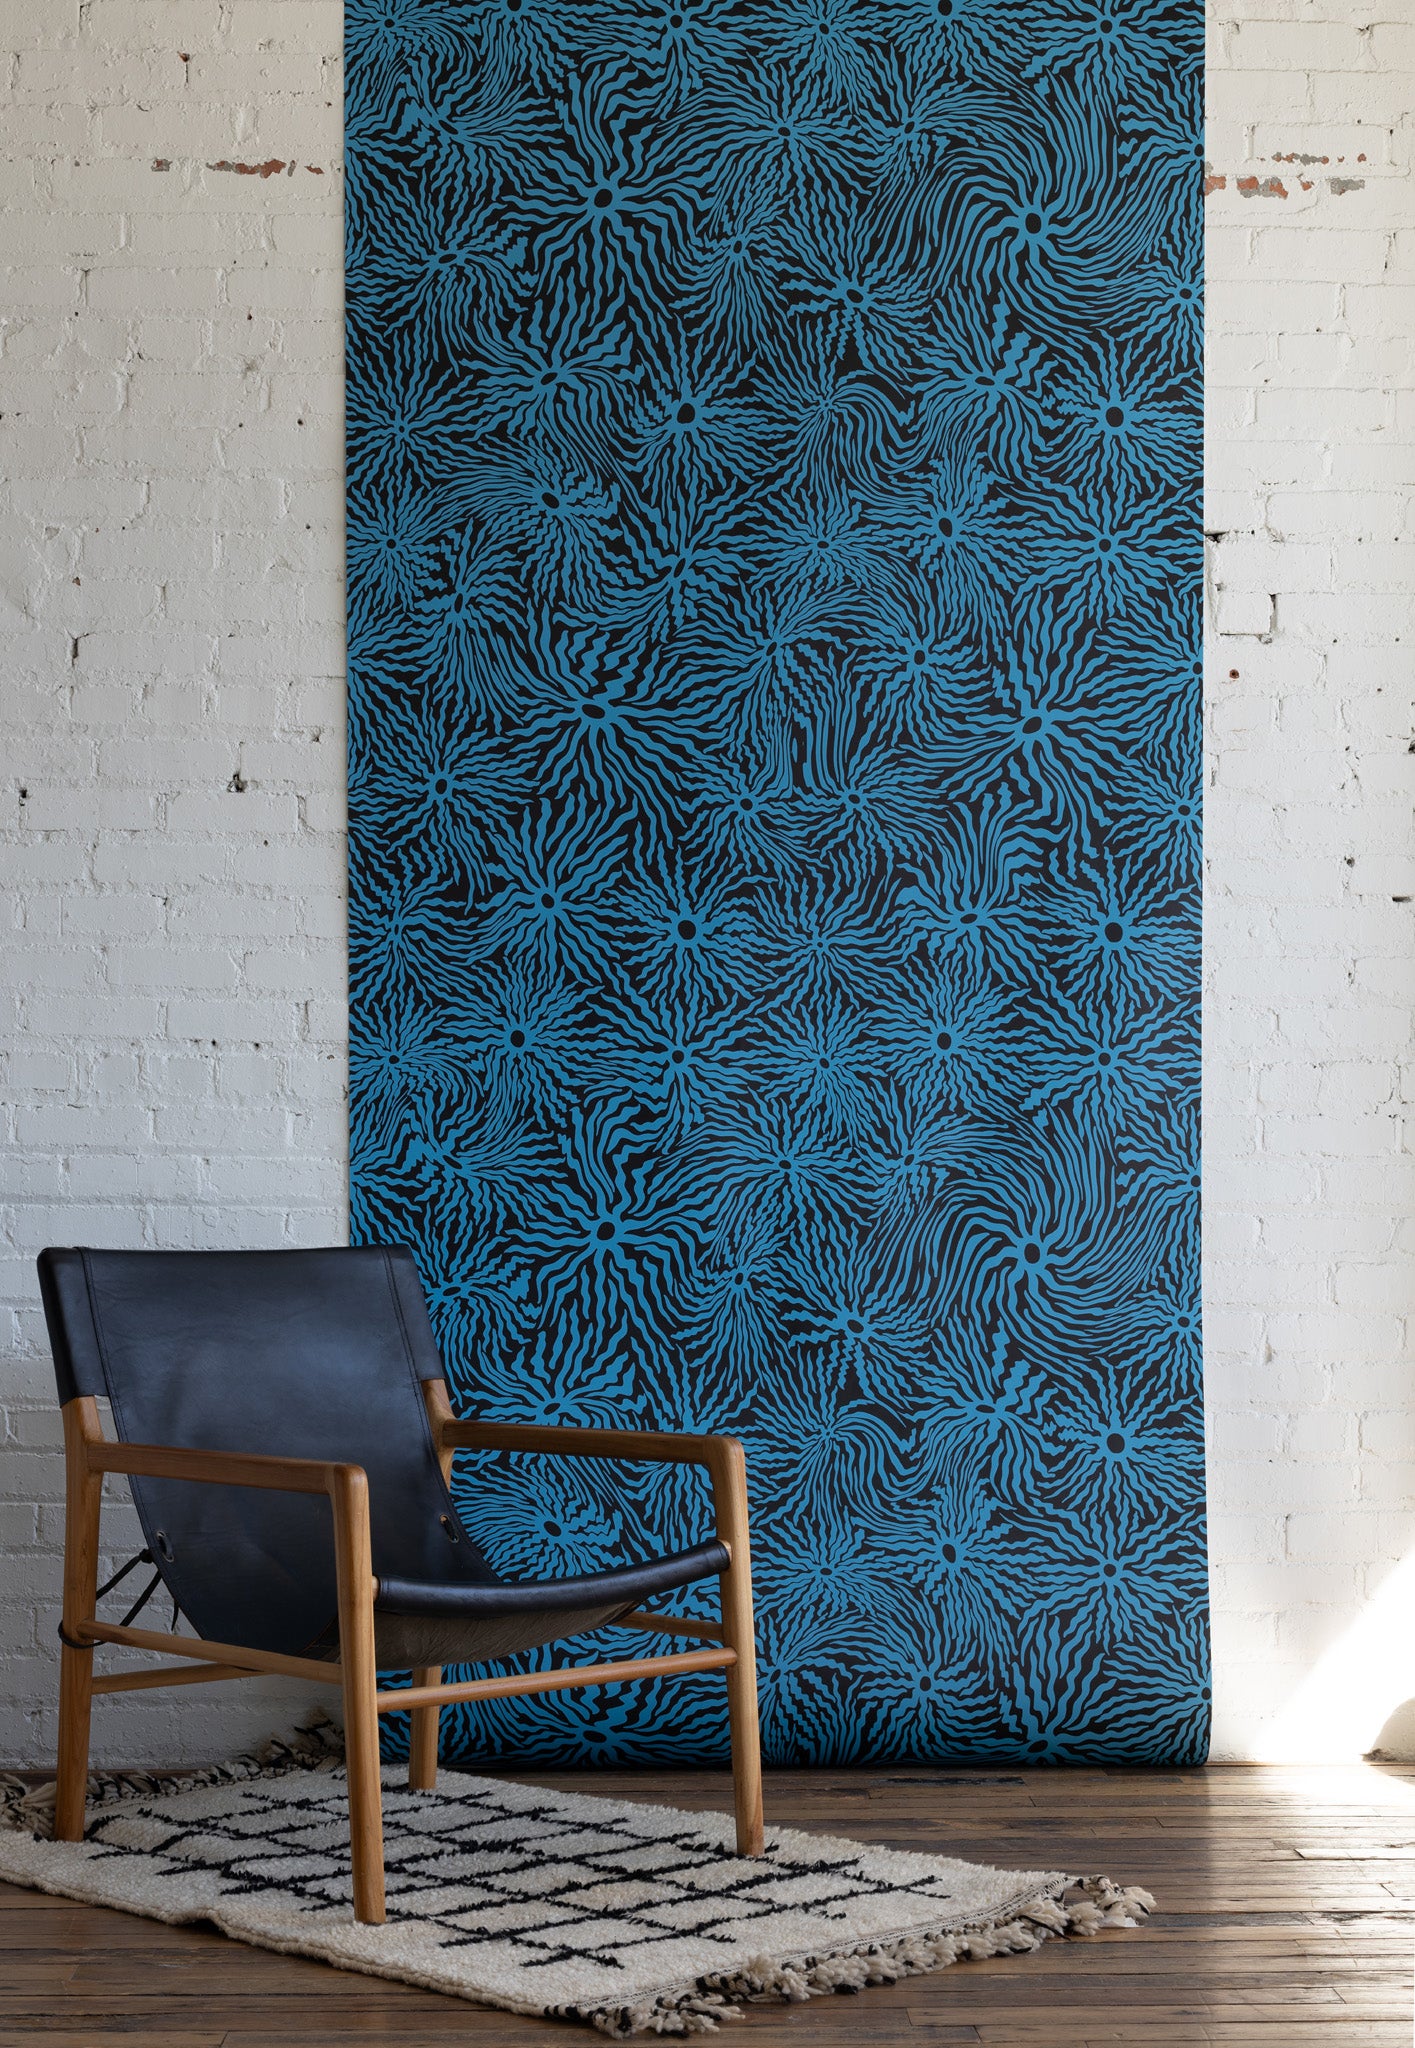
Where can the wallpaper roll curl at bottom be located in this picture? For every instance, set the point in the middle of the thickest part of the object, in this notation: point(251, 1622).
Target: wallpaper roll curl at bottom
point(775, 796)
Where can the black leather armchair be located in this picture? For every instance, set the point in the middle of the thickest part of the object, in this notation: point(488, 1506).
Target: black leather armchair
point(284, 1423)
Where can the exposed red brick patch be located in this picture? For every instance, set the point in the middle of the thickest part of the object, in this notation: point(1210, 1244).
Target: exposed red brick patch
point(1214, 184)
point(1262, 188)
point(265, 170)
point(318, 169)
point(162, 163)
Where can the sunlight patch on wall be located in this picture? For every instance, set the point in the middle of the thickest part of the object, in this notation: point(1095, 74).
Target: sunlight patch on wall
point(1359, 1697)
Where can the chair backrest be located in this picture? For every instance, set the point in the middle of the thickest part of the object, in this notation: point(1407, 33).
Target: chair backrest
point(306, 1354)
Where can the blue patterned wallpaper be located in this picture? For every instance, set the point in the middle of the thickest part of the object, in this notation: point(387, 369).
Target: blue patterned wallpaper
point(775, 807)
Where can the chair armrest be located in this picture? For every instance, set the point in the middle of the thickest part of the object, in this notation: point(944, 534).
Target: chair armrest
point(566, 1441)
point(88, 1455)
point(223, 1468)
point(724, 1457)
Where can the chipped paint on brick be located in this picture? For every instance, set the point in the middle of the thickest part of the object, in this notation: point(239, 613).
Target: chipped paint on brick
point(266, 170)
point(1253, 187)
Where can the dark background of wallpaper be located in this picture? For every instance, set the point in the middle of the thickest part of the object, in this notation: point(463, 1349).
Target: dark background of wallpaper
point(775, 793)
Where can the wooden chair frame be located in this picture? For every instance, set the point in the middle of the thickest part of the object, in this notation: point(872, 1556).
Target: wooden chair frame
point(89, 1455)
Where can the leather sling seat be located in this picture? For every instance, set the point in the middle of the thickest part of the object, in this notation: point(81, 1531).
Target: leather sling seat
point(308, 1354)
point(421, 1623)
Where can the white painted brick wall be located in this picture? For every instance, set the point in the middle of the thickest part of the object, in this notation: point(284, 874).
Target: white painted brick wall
point(1311, 871)
point(171, 610)
point(170, 607)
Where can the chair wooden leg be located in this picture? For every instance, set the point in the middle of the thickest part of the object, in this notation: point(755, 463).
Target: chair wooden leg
point(82, 1507)
point(75, 1701)
point(365, 1797)
point(746, 1754)
point(356, 1658)
point(424, 1726)
point(738, 1632)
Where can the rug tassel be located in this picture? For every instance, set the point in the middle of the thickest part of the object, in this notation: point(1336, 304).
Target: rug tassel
point(1088, 1906)
point(317, 1746)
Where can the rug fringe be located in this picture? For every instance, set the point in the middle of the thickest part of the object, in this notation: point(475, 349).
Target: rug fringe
point(1084, 1908)
point(318, 1745)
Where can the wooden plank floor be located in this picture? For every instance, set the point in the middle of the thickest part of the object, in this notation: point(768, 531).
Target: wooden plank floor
point(1286, 1920)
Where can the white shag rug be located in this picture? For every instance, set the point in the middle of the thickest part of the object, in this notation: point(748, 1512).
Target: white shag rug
point(632, 1918)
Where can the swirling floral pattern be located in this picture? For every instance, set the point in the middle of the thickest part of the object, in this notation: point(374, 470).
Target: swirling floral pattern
point(774, 784)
